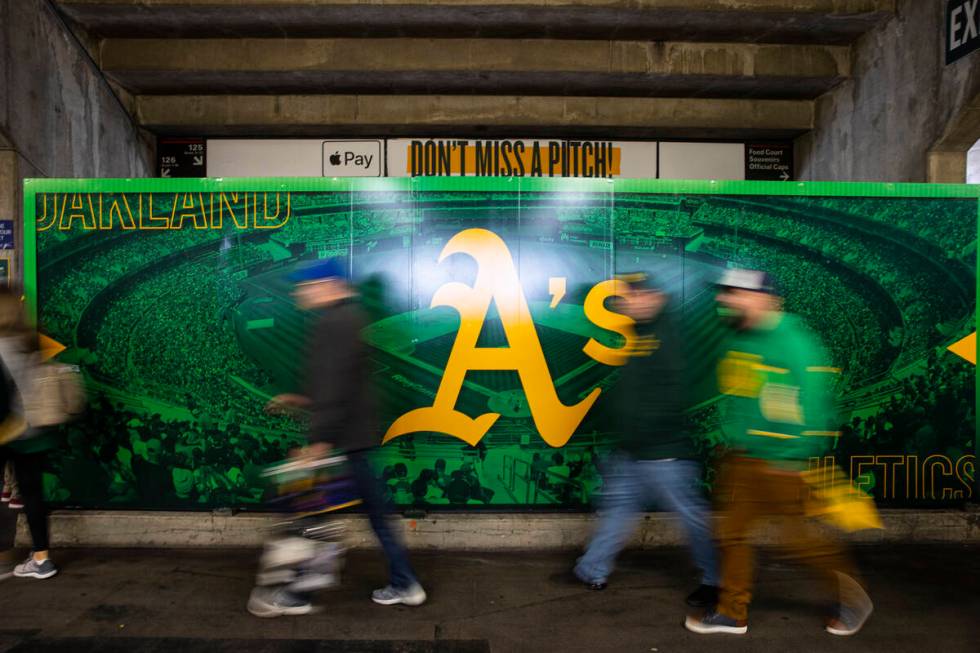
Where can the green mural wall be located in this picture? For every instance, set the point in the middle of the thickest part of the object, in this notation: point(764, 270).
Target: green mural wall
point(172, 298)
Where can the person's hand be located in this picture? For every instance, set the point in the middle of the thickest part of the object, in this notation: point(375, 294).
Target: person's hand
point(315, 451)
point(285, 403)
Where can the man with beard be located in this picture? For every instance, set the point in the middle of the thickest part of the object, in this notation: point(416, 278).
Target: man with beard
point(778, 414)
point(656, 459)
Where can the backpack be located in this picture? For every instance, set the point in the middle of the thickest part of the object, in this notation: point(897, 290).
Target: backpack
point(12, 425)
point(57, 395)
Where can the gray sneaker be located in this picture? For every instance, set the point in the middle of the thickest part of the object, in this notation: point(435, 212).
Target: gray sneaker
point(276, 602)
point(412, 595)
point(31, 568)
point(853, 610)
point(715, 622)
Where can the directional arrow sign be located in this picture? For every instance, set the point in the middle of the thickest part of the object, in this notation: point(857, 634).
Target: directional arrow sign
point(182, 157)
point(966, 348)
point(49, 347)
point(768, 161)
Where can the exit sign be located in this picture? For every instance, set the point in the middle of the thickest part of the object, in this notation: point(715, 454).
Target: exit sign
point(962, 28)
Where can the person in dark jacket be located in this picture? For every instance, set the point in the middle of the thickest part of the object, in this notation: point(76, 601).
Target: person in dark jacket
point(341, 403)
point(655, 461)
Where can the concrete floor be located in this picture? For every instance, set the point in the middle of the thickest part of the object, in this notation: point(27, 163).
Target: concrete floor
point(193, 600)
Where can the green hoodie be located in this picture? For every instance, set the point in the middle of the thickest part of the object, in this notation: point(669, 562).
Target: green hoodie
point(777, 383)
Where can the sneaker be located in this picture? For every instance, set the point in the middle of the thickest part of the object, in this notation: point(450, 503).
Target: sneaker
point(852, 615)
point(853, 610)
point(31, 568)
point(16, 503)
point(705, 596)
point(276, 602)
point(5, 496)
point(413, 595)
point(594, 584)
point(715, 622)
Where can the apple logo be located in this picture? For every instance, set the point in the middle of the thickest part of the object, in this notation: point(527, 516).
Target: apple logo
point(335, 159)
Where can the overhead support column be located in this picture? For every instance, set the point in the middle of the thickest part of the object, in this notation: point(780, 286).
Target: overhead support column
point(836, 22)
point(491, 66)
point(418, 113)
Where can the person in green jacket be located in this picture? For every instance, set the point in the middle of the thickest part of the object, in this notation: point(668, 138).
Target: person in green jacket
point(778, 414)
point(656, 460)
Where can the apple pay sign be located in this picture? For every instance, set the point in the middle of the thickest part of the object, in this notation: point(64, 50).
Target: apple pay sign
point(352, 159)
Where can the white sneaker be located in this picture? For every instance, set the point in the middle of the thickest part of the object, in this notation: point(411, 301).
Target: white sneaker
point(412, 595)
point(854, 609)
point(31, 568)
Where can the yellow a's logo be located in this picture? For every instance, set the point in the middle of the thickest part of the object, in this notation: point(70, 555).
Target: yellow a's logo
point(496, 281)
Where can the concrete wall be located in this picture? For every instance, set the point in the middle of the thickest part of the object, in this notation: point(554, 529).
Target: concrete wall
point(882, 124)
point(58, 115)
point(452, 531)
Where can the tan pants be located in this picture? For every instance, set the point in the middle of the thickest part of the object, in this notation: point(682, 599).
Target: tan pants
point(749, 490)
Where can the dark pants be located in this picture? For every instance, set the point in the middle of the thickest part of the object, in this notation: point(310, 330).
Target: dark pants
point(374, 504)
point(28, 469)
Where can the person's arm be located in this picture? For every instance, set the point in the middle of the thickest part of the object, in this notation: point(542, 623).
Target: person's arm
point(817, 378)
point(284, 403)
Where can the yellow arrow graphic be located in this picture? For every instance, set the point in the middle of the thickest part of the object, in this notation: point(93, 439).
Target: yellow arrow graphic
point(966, 348)
point(49, 347)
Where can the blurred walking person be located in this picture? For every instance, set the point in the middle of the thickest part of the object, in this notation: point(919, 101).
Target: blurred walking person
point(23, 446)
point(656, 459)
point(777, 382)
point(342, 408)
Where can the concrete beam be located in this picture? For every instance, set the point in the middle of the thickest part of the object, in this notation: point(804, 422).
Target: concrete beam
point(802, 6)
point(771, 21)
point(419, 114)
point(483, 83)
point(474, 54)
point(491, 66)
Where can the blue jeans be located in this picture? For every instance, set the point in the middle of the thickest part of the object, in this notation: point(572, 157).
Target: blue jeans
point(368, 487)
point(630, 485)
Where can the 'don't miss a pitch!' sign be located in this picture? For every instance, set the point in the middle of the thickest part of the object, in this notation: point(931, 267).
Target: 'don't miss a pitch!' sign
point(496, 347)
point(521, 158)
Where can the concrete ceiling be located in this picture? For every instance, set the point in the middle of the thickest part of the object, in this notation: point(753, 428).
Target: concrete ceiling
point(541, 67)
point(834, 22)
